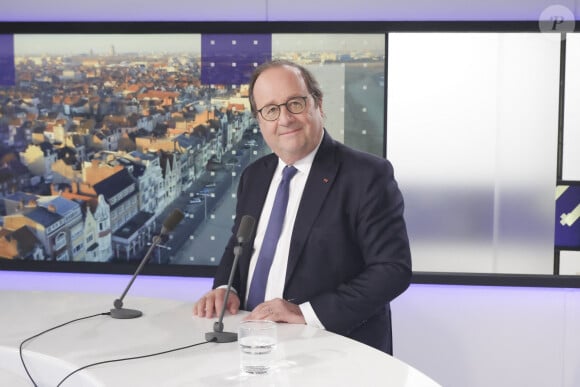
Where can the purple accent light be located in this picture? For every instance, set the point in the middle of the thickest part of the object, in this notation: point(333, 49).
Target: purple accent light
point(186, 289)
point(230, 59)
point(7, 69)
point(270, 10)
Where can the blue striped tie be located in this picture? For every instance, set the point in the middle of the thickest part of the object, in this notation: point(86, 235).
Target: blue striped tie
point(260, 278)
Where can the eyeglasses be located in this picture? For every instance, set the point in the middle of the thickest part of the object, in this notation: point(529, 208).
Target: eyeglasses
point(294, 105)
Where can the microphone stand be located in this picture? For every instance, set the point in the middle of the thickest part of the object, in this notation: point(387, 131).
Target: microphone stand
point(118, 311)
point(218, 335)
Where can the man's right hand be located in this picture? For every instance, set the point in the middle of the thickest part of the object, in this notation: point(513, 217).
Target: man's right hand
point(210, 305)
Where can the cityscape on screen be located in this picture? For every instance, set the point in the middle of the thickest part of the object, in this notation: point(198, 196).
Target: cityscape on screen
point(102, 136)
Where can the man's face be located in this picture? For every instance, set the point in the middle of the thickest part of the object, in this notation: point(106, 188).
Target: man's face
point(291, 136)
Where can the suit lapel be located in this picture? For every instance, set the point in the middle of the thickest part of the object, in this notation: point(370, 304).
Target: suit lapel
point(320, 180)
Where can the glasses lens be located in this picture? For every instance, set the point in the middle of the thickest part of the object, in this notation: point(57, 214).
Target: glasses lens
point(296, 105)
point(270, 112)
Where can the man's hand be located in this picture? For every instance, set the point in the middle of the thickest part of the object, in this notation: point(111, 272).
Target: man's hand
point(211, 303)
point(278, 310)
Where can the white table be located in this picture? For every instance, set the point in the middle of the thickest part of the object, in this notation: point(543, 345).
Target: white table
point(305, 356)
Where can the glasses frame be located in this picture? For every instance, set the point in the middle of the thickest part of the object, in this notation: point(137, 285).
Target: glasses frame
point(279, 106)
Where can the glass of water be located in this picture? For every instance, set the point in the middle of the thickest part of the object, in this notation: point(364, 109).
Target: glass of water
point(257, 339)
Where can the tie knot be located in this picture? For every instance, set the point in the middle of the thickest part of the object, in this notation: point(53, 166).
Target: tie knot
point(288, 172)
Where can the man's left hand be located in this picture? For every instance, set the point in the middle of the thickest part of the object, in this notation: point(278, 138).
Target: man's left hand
point(277, 310)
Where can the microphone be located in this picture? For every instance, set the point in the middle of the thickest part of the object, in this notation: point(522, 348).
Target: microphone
point(244, 232)
point(169, 225)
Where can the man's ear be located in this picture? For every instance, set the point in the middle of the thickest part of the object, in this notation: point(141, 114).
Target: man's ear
point(320, 107)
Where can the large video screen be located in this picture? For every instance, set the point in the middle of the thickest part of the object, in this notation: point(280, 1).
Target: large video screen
point(105, 134)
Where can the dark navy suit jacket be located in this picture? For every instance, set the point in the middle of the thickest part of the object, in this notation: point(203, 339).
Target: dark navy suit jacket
point(349, 255)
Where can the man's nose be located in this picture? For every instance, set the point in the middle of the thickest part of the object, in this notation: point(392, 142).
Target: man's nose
point(285, 115)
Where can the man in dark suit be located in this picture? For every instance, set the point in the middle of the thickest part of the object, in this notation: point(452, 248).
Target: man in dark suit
point(343, 253)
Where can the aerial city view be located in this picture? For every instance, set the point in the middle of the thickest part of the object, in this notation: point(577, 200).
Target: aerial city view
point(103, 136)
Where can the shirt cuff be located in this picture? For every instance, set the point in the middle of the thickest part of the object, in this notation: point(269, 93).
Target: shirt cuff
point(225, 287)
point(309, 315)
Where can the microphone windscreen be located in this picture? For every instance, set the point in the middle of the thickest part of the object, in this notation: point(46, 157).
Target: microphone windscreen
point(172, 220)
point(246, 228)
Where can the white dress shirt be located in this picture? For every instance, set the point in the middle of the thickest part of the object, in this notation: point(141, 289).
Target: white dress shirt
point(277, 275)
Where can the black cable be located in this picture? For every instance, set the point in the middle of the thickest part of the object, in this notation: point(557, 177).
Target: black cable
point(131, 358)
point(46, 331)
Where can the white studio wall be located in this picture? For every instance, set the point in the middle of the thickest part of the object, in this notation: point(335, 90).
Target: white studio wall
point(472, 130)
point(571, 164)
point(490, 336)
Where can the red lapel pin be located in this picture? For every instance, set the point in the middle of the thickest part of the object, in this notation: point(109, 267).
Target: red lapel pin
point(325, 180)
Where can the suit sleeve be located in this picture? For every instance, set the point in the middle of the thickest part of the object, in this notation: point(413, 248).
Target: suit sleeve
point(378, 230)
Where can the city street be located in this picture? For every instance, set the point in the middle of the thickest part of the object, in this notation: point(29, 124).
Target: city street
point(202, 235)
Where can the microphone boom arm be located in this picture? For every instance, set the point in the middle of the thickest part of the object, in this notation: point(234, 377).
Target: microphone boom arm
point(218, 335)
point(121, 313)
point(168, 225)
point(245, 229)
